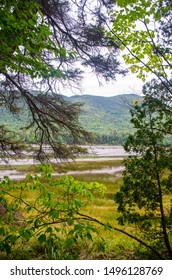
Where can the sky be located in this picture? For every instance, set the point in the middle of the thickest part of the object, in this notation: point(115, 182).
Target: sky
point(90, 85)
point(123, 85)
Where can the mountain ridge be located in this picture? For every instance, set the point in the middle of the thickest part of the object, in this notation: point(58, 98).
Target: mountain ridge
point(108, 118)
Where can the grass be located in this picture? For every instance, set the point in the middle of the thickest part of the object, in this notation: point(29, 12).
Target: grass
point(87, 165)
point(66, 166)
point(108, 244)
point(21, 168)
point(101, 208)
point(116, 245)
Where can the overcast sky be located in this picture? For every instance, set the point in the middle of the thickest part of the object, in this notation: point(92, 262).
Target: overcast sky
point(90, 85)
point(123, 85)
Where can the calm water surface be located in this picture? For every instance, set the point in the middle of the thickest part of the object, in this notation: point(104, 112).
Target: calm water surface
point(95, 153)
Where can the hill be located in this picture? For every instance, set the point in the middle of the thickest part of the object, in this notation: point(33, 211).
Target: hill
point(108, 118)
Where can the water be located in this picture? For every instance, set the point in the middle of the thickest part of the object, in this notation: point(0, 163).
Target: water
point(107, 151)
point(95, 153)
point(16, 175)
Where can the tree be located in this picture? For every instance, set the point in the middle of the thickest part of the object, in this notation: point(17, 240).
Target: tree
point(143, 198)
point(145, 36)
point(51, 218)
point(41, 42)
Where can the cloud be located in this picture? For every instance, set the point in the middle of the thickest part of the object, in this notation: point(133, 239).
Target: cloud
point(123, 85)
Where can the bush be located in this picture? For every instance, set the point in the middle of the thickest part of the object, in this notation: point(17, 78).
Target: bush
point(45, 210)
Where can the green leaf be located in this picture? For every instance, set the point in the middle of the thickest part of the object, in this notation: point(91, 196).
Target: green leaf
point(29, 177)
point(42, 238)
point(78, 203)
point(54, 214)
point(70, 221)
point(49, 230)
point(89, 236)
point(2, 232)
point(26, 235)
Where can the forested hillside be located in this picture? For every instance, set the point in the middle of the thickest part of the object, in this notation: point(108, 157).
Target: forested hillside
point(108, 118)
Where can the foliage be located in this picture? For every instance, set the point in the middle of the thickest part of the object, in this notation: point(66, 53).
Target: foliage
point(144, 198)
point(142, 29)
point(24, 34)
point(41, 41)
point(26, 204)
point(46, 210)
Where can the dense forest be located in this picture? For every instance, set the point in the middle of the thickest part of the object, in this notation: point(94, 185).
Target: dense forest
point(107, 118)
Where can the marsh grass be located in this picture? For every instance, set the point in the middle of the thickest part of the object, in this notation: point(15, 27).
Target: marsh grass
point(88, 165)
point(21, 168)
point(112, 244)
point(108, 244)
point(66, 166)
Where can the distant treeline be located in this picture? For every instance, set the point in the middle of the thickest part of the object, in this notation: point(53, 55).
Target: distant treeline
point(107, 118)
